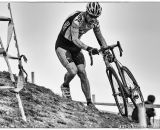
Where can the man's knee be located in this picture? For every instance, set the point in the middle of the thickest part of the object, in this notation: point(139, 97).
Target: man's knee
point(81, 72)
point(73, 72)
point(72, 69)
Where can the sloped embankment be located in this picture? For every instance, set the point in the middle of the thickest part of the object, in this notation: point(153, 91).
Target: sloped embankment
point(45, 109)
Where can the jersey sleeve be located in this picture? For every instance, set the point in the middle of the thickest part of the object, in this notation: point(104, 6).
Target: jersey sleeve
point(78, 20)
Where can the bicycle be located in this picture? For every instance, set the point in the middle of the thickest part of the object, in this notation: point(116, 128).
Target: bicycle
point(125, 88)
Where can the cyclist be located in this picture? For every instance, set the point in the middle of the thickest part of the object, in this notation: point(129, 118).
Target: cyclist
point(68, 46)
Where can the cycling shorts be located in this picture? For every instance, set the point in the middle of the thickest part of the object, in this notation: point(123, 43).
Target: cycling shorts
point(66, 44)
point(72, 53)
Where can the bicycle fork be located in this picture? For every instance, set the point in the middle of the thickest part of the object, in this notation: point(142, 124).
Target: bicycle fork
point(126, 91)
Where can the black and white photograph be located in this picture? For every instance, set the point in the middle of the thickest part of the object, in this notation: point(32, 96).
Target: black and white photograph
point(79, 64)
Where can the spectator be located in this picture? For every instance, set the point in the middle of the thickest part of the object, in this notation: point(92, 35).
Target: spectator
point(150, 112)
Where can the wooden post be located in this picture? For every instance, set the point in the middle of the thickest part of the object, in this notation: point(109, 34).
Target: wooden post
point(21, 107)
point(142, 116)
point(93, 98)
point(32, 76)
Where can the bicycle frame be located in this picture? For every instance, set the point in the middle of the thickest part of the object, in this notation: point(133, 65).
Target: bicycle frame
point(117, 63)
point(118, 66)
point(125, 89)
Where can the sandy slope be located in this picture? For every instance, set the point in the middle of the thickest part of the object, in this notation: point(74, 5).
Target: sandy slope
point(45, 109)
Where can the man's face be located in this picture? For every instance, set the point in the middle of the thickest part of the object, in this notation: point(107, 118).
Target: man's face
point(90, 19)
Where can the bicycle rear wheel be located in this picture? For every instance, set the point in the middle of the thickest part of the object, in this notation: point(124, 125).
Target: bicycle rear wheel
point(136, 96)
point(117, 90)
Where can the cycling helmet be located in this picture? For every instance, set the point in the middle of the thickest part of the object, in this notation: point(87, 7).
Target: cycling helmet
point(94, 9)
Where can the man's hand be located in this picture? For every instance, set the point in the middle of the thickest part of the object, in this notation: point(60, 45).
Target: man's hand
point(93, 51)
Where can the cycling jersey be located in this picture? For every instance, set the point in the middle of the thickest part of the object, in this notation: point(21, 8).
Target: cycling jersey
point(76, 20)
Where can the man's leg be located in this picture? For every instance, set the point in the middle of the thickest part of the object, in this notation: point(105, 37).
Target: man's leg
point(66, 60)
point(84, 82)
point(67, 78)
point(80, 62)
point(86, 87)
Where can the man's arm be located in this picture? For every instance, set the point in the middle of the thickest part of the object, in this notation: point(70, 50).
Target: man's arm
point(99, 37)
point(74, 37)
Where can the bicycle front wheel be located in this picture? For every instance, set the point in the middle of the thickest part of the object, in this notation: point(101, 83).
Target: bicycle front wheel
point(117, 90)
point(136, 96)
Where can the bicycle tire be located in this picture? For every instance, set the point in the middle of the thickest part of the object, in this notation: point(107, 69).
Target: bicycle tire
point(136, 95)
point(117, 90)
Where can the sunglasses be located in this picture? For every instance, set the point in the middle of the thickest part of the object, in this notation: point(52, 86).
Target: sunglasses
point(91, 16)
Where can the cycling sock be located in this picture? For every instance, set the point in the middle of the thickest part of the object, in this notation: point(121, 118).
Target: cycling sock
point(66, 86)
point(89, 101)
